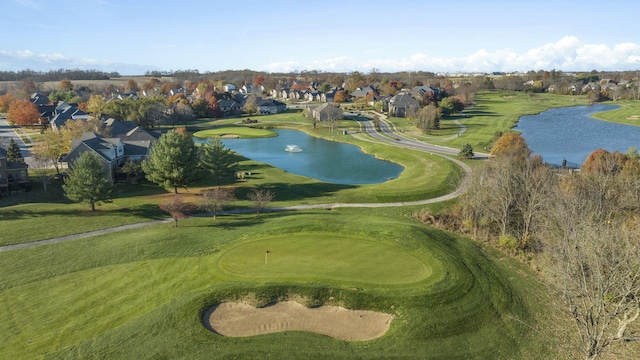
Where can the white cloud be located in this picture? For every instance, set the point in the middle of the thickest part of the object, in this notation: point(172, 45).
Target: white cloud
point(27, 59)
point(568, 54)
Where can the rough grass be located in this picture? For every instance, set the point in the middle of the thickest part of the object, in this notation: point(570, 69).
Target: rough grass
point(140, 294)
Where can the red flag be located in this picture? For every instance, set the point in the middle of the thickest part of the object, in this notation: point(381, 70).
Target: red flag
point(268, 252)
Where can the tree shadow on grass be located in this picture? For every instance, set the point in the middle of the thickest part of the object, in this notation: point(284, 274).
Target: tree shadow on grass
point(295, 192)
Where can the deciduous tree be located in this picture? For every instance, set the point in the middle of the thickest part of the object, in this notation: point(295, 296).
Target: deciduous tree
point(5, 101)
point(215, 200)
point(594, 252)
point(429, 118)
point(23, 113)
point(511, 144)
point(50, 148)
point(251, 105)
point(261, 198)
point(466, 152)
point(88, 181)
point(340, 96)
point(173, 160)
point(176, 208)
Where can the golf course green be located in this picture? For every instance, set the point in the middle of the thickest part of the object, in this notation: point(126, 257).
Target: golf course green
point(141, 293)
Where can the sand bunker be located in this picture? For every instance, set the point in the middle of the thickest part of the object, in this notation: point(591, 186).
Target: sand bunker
point(240, 319)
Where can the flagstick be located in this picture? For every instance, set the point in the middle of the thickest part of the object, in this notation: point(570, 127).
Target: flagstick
point(265, 257)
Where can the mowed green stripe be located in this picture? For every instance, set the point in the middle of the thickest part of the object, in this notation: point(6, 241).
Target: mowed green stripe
point(325, 256)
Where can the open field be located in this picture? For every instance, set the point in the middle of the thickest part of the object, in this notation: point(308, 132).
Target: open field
point(140, 294)
point(91, 84)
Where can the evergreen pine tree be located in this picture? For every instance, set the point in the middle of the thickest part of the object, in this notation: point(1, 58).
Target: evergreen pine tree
point(88, 181)
point(13, 152)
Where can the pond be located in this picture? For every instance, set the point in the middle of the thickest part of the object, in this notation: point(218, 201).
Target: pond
point(329, 161)
point(570, 133)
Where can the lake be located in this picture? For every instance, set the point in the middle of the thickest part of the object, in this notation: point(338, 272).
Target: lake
point(329, 161)
point(571, 133)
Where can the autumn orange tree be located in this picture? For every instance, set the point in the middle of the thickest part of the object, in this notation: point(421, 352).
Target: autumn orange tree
point(23, 113)
point(511, 144)
point(341, 96)
point(5, 101)
point(602, 161)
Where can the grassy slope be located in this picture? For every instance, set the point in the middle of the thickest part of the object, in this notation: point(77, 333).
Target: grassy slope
point(140, 294)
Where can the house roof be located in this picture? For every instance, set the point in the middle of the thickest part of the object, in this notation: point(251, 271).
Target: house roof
point(64, 114)
point(119, 127)
point(39, 99)
point(136, 147)
point(404, 99)
point(269, 102)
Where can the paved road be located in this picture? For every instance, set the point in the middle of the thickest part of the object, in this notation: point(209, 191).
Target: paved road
point(6, 133)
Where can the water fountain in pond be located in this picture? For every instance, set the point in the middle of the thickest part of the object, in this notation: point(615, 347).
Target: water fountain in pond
point(292, 148)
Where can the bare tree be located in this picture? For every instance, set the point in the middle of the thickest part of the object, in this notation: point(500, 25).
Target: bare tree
point(176, 208)
point(214, 200)
point(594, 249)
point(261, 198)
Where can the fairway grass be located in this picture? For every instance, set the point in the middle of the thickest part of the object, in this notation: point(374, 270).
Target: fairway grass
point(141, 293)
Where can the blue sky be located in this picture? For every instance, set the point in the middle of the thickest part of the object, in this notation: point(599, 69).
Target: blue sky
point(133, 36)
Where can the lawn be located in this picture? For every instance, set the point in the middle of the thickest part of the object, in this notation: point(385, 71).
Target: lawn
point(628, 113)
point(140, 293)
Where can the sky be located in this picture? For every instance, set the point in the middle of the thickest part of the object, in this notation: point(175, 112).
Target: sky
point(135, 36)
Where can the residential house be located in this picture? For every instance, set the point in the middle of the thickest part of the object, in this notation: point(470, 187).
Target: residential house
point(126, 142)
point(327, 112)
point(122, 96)
point(363, 91)
point(39, 99)
point(403, 104)
point(423, 90)
point(311, 95)
point(229, 88)
point(330, 95)
point(270, 106)
point(251, 89)
point(14, 176)
point(230, 107)
point(65, 112)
